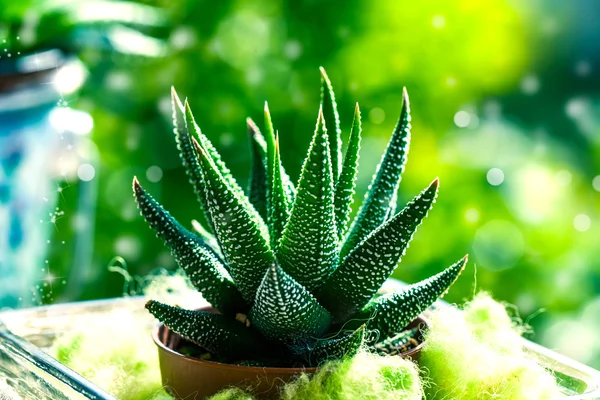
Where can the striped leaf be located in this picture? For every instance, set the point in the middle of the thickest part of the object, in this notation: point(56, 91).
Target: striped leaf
point(219, 334)
point(391, 313)
point(279, 209)
point(376, 204)
point(201, 264)
point(210, 150)
point(187, 152)
point(334, 349)
point(332, 123)
point(257, 189)
point(239, 229)
point(364, 270)
point(346, 184)
point(285, 311)
point(308, 246)
point(290, 190)
point(209, 239)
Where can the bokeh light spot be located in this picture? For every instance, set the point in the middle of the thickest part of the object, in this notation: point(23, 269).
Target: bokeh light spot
point(472, 215)
point(495, 176)
point(596, 183)
point(530, 84)
point(582, 222)
point(462, 119)
point(377, 115)
point(438, 21)
point(86, 172)
point(154, 173)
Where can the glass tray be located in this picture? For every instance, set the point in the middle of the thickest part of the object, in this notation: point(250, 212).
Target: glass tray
point(26, 372)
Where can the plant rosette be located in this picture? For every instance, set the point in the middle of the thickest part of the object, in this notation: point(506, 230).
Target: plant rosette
point(292, 282)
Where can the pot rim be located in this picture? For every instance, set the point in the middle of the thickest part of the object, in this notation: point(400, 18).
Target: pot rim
point(215, 364)
point(276, 370)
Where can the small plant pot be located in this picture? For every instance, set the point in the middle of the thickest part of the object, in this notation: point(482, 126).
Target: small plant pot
point(186, 377)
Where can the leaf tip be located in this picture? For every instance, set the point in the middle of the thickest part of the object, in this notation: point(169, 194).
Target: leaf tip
point(252, 127)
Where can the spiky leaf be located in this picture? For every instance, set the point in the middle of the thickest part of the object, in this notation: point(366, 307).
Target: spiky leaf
point(219, 334)
point(333, 349)
point(364, 270)
point(390, 313)
point(285, 311)
point(279, 208)
point(290, 190)
point(332, 121)
point(211, 151)
point(344, 188)
point(201, 264)
point(257, 188)
point(187, 153)
point(308, 246)
point(376, 204)
point(209, 239)
point(240, 230)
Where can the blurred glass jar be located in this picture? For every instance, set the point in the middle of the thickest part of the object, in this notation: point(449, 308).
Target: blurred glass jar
point(43, 143)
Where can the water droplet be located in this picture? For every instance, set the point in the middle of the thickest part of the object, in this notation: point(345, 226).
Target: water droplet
point(495, 176)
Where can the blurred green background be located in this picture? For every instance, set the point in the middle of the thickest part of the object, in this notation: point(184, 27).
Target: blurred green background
point(505, 102)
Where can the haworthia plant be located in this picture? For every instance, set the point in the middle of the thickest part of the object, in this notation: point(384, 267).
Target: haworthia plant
point(294, 281)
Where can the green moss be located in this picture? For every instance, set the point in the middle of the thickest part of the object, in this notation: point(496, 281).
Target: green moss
point(477, 354)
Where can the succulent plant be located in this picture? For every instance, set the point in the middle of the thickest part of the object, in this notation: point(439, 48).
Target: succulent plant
point(293, 282)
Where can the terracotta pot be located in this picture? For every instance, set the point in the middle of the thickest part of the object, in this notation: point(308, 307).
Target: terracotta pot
point(186, 377)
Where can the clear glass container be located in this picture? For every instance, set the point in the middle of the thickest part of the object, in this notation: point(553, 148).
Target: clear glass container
point(31, 374)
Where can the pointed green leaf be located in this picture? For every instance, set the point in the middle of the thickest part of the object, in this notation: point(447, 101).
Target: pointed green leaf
point(221, 335)
point(376, 205)
point(364, 270)
point(397, 344)
point(202, 265)
point(334, 349)
point(239, 229)
point(393, 205)
point(290, 190)
point(344, 189)
point(286, 311)
point(207, 237)
point(392, 312)
point(332, 121)
point(187, 152)
point(257, 190)
point(279, 209)
point(308, 246)
point(211, 151)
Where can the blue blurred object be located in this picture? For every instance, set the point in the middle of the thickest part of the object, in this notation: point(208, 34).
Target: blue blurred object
point(35, 127)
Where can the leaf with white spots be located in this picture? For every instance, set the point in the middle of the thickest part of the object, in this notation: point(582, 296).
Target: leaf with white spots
point(376, 204)
point(211, 151)
point(257, 189)
point(201, 264)
point(290, 190)
point(308, 247)
point(209, 239)
point(366, 268)
point(239, 229)
point(334, 349)
point(332, 123)
point(187, 152)
point(279, 208)
point(391, 313)
point(285, 311)
point(219, 334)
point(346, 184)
